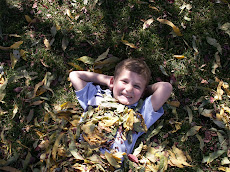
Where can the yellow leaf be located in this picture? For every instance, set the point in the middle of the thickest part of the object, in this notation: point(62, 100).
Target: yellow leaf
point(118, 155)
point(88, 128)
point(111, 160)
point(55, 147)
point(177, 158)
point(174, 103)
point(175, 29)
point(23, 54)
point(69, 13)
point(16, 45)
point(226, 169)
point(28, 19)
point(13, 60)
point(110, 122)
point(58, 27)
point(147, 23)
point(154, 8)
point(127, 43)
point(128, 124)
point(47, 44)
point(15, 35)
point(179, 56)
point(40, 134)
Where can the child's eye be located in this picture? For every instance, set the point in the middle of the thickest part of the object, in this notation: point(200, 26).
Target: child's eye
point(137, 86)
point(124, 81)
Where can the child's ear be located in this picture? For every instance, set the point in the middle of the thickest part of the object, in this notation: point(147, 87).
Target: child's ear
point(111, 82)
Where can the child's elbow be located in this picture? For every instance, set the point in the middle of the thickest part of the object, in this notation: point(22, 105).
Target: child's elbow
point(72, 75)
point(168, 87)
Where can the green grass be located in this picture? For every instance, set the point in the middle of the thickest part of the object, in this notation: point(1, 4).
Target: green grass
point(90, 30)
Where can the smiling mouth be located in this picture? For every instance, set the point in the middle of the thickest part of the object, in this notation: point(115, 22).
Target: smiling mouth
point(128, 97)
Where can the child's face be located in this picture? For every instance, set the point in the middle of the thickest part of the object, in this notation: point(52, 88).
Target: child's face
point(128, 87)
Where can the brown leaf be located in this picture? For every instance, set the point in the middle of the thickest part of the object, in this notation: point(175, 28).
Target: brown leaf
point(10, 169)
point(56, 144)
point(37, 103)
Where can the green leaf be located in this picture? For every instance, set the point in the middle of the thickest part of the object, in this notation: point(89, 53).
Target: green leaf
point(194, 130)
point(163, 70)
point(222, 140)
point(154, 132)
point(226, 28)
point(214, 43)
point(201, 141)
point(53, 30)
point(73, 150)
point(107, 64)
point(137, 151)
point(189, 114)
point(26, 161)
point(212, 156)
point(102, 56)
point(65, 43)
point(86, 60)
point(225, 161)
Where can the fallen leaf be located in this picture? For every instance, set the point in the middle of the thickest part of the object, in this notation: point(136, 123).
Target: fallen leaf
point(65, 43)
point(13, 60)
point(226, 28)
point(154, 8)
point(4, 48)
point(67, 11)
point(147, 23)
point(111, 160)
point(173, 103)
point(102, 56)
point(179, 56)
point(56, 144)
point(163, 70)
point(212, 156)
point(53, 30)
point(201, 141)
point(175, 29)
point(16, 45)
point(47, 44)
point(214, 42)
point(127, 43)
point(37, 103)
point(10, 169)
point(86, 60)
point(77, 67)
point(28, 19)
point(23, 54)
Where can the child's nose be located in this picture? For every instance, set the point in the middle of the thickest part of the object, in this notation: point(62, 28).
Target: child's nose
point(129, 87)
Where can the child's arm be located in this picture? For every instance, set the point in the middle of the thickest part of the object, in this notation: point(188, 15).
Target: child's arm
point(79, 79)
point(160, 91)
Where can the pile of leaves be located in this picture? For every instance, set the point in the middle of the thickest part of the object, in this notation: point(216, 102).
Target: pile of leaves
point(72, 140)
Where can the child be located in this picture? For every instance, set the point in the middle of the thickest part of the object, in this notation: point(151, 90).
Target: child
point(128, 85)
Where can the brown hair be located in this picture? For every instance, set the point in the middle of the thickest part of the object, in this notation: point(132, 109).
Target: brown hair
point(134, 65)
